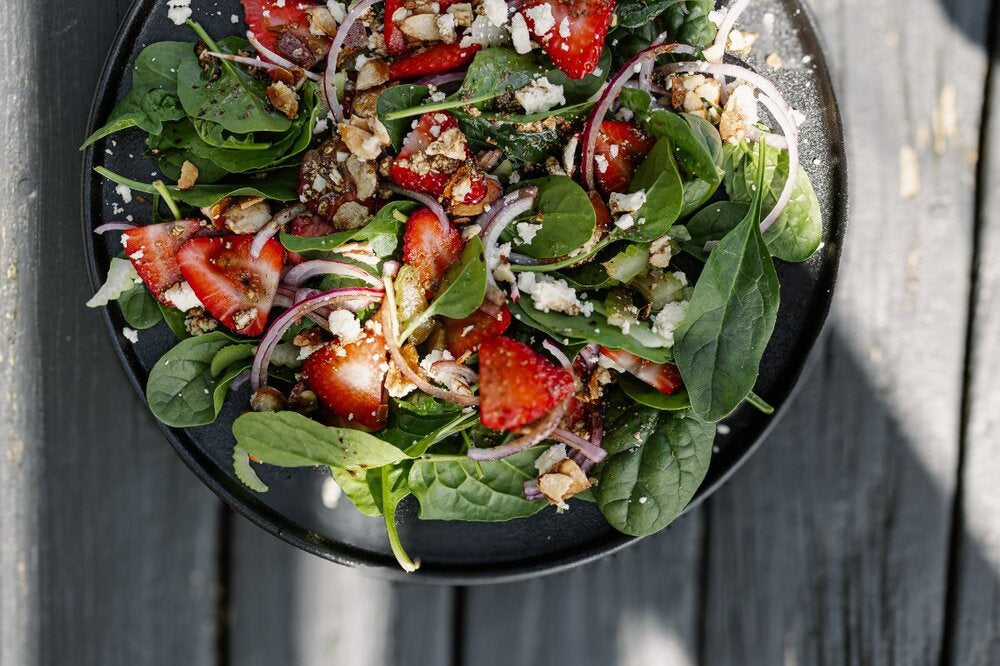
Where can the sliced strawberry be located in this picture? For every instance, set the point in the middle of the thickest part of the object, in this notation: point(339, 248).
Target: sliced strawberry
point(465, 335)
point(395, 40)
point(603, 219)
point(311, 226)
point(620, 148)
point(664, 377)
point(429, 247)
point(576, 38)
point(436, 59)
point(348, 380)
point(282, 26)
point(517, 385)
point(415, 170)
point(152, 249)
point(235, 289)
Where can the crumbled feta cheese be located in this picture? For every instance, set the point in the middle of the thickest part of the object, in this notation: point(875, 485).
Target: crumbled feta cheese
point(668, 319)
point(549, 294)
point(564, 27)
point(602, 163)
point(502, 272)
point(550, 457)
point(484, 32)
point(179, 11)
point(740, 113)
point(542, 18)
point(471, 230)
point(660, 252)
point(244, 318)
point(496, 12)
point(625, 221)
point(182, 296)
point(338, 9)
point(330, 493)
point(569, 155)
point(540, 95)
point(131, 334)
point(446, 28)
point(519, 34)
point(526, 231)
point(626, 203)
point(345, 326)
point(234, 19)
point(124, 192)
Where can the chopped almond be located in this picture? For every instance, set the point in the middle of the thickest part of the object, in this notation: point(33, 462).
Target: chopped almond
point(189, 176)
point(373, 74)
point(365, 137)
point(284, 99)
point(421, 27)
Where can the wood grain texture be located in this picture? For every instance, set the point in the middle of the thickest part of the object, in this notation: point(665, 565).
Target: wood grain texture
point(108, 548)
point(636, 608)
point(831, 545)
point(976, 603)
point(289, 607)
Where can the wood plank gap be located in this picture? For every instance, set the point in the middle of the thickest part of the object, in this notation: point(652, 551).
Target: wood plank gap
point(223, 585)
point(956, 537)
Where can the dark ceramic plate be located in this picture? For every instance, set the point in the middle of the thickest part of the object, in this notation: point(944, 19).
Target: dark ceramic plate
point(474, 552)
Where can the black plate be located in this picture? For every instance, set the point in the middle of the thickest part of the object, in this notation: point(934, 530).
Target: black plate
point(473, 552)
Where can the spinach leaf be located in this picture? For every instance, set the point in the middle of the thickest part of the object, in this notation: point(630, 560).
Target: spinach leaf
point(579, 90)
point(397, 98)
point(712, 223)
point(139, 308)
point(655, 463)
point(181, 391)
point(355, 484)
point(644, 394)
point(415, 418)
point(688, 22)
point(226, 356)
point(245, 472)
point(641, 340)
point(175, 321)
point(697, 151)
point(637, 13)
point(659, 178)
point(280, 185)
point(395, 488)
point(152, 99)
point(729, 320)
point(382, 232)
point(453, 489)
point(289, 439)
point(462, 290)
point(566, 214)
point(637, 101)
point(526, 139)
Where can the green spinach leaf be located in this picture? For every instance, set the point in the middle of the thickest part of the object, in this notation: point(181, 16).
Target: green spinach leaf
point(356, 485)
point(226, 356)
point(280, 185)
point(245, 472)
point(181, 391)
point(139, 308)
point(566, 214)
point(397, 98)
point(644, 394)
point(395, 488)
point(687, 22)
point(526, 139)
point(659, 178)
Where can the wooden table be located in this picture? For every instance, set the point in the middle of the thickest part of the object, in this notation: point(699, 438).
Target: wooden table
point(866, 531)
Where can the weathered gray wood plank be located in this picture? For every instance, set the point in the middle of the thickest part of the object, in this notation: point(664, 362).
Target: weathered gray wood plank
point(636, 608)
point(107, 553)
point(976, 610)
point(289, 607)
point(831, 545)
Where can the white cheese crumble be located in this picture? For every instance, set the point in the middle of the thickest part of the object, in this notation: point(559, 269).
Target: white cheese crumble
point(131, 334)
point(179, 11)
point(330, 493)
point(740, 113)
point(542, 18)
point(569, 155)
point(550, 457)
point(602, 163)
point(668, 319)
point(124, 192)
point(183, 297)
point(526, 231)
point(345, 326)
point(338, 10)
point(519, 34)
point(495, 12)
point(549, 294)
point(625, 221)
point(564, 27)
point(626, 203)
point(540, 95)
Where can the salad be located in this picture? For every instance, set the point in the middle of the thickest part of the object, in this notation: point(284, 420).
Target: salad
point(495, 255)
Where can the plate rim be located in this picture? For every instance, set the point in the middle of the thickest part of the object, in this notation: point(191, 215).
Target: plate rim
point(237, 498)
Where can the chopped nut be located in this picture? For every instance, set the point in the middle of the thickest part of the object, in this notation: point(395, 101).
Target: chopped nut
point(450, 144)
point(350, 215)
point(373, 73)
point(740, 113)
point(284, 99)
point(321, 21)
point(197, 322)
point(462, 11)
point(302, 400)
point(365, 137)
point(697, 94)
point(562, 481)
point(189, 176)
point(267, 399)
point(249, 218)
point(773, 60)
point(421, 27)
point(363, 175)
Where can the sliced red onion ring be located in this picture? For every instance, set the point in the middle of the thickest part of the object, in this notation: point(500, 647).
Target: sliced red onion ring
point(646, 73)
point(273, 226)
point(595, 453)
point(596, 438)
point(262, 64)
point(543, 429)
point(718, 48)
point(493, 222)
point(350, 298)
point(442, 79)
point(390, 330)
point(268, 53)
point(239, 380)
point(773, 140)
point(310, 269)
point(329, 77)
point(455, 369)
point(773, 101)
point(558, 354)
point(114, 226)
point(426, 200)
point(610, 94)
point(531, 490)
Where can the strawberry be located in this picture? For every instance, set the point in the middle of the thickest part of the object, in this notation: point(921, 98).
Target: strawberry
point(429, 247)
point(435, 59)
point(603, 219)
point(348, 380)
point(619, 150)
point(465, 335)
point(235, 289)
point(152, 249)
point(434, 179)
point(576, 38)
point(664, 377)
point(282, 26)
point(517, 385)
point(311, 226)
point(395, 40)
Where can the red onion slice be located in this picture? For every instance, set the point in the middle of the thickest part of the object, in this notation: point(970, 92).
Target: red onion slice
point(329, 76)
point(595, 453)
point(558, 354)
point(455, 369)
point(262, 64)
point(646, 73)
point(350, 298)
point(493, 222)
point(610, 94)
point(531, 491)
point(543, 428)
point(273, 226)
point(718, 48)
point(114, 226)
point(310, 269)
point(268, 53)
point(426, 200)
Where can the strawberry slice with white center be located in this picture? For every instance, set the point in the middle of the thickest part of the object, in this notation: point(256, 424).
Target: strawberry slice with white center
point(153, 251)
point(282, 26)
point(430, 247)
point(664, 377)
point(571, 32)
point(348, 380)
point(235, 288)
point(620, 149)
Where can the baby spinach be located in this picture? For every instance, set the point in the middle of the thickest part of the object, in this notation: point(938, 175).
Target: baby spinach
point(644, 394)
point(356, 485)
point(729, 320)
point(637, 13)
point(397, 98)
point(175, 321)
point(382, 232)
point(526, 139)
point(659, 178)
point(227, 356)
point(453, 489)
point(182, 391)
point(697, 152)
point(394, 490)
point(566, 214)
point(712, 223)
point(289, 439)
point(280, 185)
point(245, 472)
point(656, 461)
point(687, 22)
point(416, 418)
point(462, 290)
point(139, 308)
